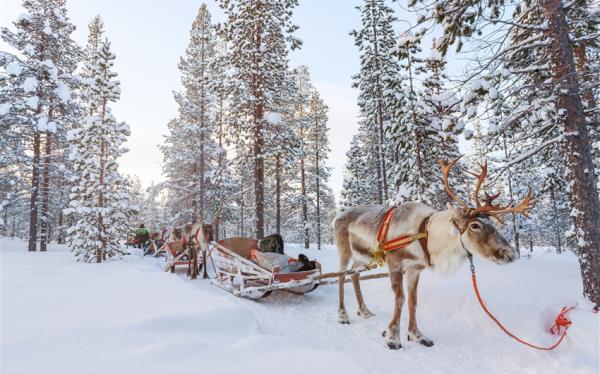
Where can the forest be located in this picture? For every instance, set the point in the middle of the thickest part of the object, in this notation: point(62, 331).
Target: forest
point(248, 149)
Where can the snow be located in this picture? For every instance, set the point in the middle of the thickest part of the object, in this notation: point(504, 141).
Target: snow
point(42, 124)
point(52, 127)
point(273, 118)
point(63, 92)
point(30, 84)
point(24, 17)
point(128, 316)
point(32, 102)
point(5, 108)
point(14, 68)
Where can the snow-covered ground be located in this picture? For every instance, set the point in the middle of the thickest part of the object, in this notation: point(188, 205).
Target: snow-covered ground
point(59, 316)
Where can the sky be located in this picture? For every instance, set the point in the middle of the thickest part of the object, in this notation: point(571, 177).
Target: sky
point(148, 38)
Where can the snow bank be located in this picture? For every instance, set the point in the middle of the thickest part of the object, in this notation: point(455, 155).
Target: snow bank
point(59, 316)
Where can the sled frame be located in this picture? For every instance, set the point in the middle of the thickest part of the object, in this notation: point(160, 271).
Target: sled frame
point(244, 278)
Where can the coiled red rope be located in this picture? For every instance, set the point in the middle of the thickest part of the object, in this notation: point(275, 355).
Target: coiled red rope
point(561, 322)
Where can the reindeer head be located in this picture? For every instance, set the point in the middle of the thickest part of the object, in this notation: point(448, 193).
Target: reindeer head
point(478, 233)
point(208, 232)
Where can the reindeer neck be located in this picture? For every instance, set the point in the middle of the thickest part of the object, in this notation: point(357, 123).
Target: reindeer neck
point(444, 243)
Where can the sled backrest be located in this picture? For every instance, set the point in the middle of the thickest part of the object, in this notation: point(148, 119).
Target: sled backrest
point(241, 246)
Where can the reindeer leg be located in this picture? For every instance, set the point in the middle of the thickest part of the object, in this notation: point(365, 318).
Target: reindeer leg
point(195, 263)
point(204, 271)
point(342, 314)
point(412, 283)
point(392, 334)
point(363, 311)
point(189, 258)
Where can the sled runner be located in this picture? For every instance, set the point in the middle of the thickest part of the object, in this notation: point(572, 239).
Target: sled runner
point(237, 271)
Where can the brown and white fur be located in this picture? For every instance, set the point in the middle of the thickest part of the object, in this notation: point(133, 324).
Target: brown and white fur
point(356, 239)
point(197, 236)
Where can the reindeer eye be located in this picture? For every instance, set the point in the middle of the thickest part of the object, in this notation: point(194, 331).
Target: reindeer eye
point(475, 226)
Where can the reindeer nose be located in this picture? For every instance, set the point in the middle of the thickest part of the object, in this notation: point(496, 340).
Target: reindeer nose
point(511, 254)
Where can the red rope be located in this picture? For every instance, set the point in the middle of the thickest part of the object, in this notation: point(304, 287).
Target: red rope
point(562, 320)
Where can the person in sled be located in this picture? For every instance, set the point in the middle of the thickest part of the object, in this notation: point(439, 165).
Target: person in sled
point(142, 236)
point(285, 263)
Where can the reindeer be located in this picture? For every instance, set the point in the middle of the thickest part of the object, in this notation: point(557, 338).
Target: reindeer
point(446, 239)
point(197, 236)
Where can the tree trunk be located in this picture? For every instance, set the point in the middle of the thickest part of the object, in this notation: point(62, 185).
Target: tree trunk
point(45, 190)
point(278, 194)
point(101, 231)
point(381, 168)
point(303, 192)
point(35, 186)
point(258, 113)
point(259, 177)
point(201, 176)
point(318, 192)
point(61, 239)
point(577, 150)
point(556, 226)
point(510, 192)
point(242, 211)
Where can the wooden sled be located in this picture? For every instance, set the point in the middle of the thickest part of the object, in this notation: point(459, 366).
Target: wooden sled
point(178, 255)
point(236, 273)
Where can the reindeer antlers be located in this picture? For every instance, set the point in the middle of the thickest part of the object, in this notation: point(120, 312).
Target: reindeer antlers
point(446, 173)
point(480, 178)
point(487, 208)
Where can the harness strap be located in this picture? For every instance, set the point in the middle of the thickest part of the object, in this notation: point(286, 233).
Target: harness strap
point(388, 246)
point(423, 240)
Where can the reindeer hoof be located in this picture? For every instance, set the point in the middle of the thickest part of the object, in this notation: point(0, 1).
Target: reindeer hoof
point(366, 313)
point(394, 345)
point(426, 342)
point(423, 341)
point(343, 317)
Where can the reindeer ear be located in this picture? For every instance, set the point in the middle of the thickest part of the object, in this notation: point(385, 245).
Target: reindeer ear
point(460, 216)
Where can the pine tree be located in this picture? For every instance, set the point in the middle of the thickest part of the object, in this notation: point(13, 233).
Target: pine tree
point(357, 189)
point(260, 34)
point(442, 129)
point(195, 159)
point(318, 154)
point(99, 196)
point(547, 43)
point(411, 133)
point(36, 97)
point(377, 81)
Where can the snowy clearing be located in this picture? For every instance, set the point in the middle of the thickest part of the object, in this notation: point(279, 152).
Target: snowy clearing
point(59, 316)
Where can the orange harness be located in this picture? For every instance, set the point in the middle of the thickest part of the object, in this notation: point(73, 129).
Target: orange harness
point(391, 245)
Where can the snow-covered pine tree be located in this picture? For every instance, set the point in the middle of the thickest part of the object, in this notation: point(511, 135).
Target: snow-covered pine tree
point(548, 44)
point(358, 186)
point(99, 197)
point(318, 153)
point(301, 126)
point(224, 183)
point(411, 133)
point(284, 153)
point(444, 126)
point(377, 81)
point(260, 35)
point(195, 163)
point(36, 97)
point(196, 103)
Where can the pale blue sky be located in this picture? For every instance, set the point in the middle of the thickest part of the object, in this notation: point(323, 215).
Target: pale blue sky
point(148, 38)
